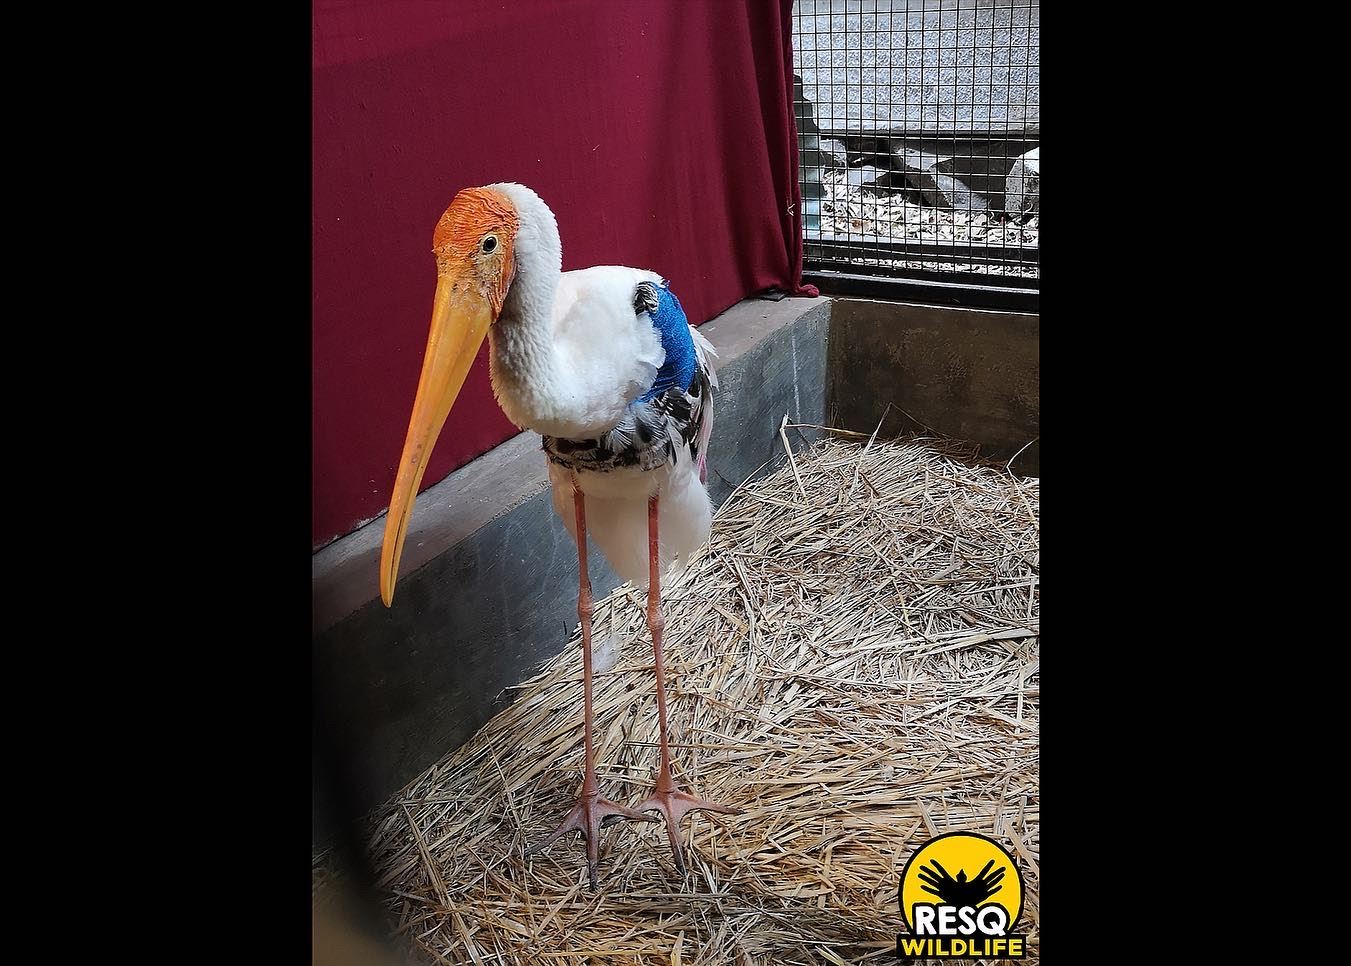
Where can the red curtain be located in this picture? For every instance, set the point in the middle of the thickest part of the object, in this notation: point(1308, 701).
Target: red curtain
point(661, 134)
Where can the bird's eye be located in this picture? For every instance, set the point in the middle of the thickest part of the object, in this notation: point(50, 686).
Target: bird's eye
point(489, 244)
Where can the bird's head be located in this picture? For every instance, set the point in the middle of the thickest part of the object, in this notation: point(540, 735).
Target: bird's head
point(474, 243)
point(475, 248)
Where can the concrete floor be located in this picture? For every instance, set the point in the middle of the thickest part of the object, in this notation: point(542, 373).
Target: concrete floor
point(870, 64)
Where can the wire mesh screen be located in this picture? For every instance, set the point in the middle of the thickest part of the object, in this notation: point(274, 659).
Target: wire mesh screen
point(918, 138)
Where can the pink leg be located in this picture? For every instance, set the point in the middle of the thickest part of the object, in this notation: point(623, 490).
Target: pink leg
point(666, 797)
point(592, 812)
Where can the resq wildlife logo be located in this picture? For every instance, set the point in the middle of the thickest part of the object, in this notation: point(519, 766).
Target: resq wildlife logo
point(961, 895)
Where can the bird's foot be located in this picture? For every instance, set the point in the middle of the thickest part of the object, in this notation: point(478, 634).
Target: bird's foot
point(675, 804)
point(591, 814)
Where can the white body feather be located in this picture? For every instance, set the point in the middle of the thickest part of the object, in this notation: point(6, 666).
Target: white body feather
point(601, 358)
point(568, 356)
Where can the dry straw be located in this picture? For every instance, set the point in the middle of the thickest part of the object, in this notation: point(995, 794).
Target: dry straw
point(853, 660)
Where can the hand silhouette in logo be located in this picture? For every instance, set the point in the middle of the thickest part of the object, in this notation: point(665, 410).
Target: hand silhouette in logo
point(959, 892)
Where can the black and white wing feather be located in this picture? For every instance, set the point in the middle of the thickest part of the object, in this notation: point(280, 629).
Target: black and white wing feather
point(672, 421)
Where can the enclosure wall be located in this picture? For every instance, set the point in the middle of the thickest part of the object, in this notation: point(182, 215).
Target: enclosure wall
point(494, 593)
point(920, 144)
point(965, 373)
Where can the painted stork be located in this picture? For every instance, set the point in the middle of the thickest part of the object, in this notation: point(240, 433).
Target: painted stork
point(603, 364)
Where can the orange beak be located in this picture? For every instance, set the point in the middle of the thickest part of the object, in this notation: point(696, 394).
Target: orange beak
point(461, 316)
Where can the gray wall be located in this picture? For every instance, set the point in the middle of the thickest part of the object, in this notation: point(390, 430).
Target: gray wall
point(965, 373)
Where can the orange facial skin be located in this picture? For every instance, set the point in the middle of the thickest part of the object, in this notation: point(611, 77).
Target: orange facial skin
point(473, 217)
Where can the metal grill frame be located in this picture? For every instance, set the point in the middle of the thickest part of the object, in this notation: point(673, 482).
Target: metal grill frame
point(952, 106)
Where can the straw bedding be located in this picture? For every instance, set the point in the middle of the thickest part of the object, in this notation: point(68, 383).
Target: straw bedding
point(853, 661)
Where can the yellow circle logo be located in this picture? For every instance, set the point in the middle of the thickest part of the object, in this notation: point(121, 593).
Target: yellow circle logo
point(961, 884)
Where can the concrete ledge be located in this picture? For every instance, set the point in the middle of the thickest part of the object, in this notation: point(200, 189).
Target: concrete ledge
point(346, 573)
point(965, 373)
point(488, 590)
point(490, 575)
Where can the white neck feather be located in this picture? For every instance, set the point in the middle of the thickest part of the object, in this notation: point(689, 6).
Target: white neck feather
point(530, 384)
